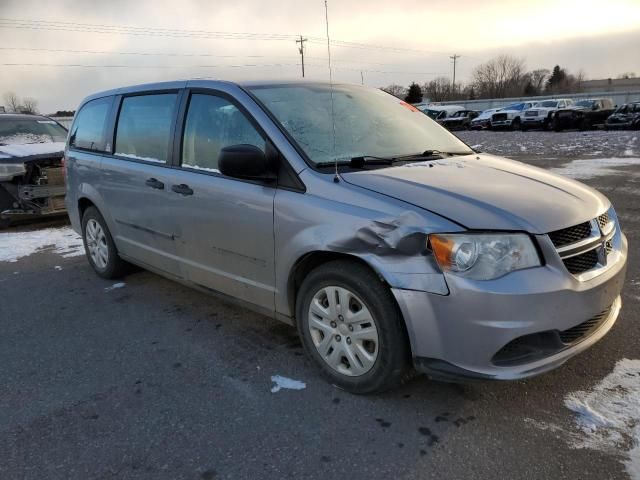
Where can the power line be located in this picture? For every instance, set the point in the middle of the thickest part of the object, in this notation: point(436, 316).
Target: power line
point(82, 65)
point(180, 33)
point(150, 54)
point(301, 50)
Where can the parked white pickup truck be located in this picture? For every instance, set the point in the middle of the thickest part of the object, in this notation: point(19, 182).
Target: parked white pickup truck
point(540, 115)
point(511, 116)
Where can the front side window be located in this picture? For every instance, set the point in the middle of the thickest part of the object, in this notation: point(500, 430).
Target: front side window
point(212, 124)
point(144, 127)
point(89, 126)
point(366, 121)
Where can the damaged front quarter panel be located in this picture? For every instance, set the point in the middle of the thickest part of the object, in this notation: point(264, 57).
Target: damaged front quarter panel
point(388, 234)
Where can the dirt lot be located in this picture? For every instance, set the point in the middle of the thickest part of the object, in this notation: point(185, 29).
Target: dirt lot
point(152, 380)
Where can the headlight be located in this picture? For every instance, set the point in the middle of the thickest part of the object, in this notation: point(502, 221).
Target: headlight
point(484, 256)
point(10, 170)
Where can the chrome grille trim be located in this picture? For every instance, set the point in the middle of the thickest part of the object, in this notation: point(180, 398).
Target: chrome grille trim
point(592, 251)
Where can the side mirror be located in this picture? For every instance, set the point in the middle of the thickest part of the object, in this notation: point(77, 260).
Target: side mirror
point(247, 162)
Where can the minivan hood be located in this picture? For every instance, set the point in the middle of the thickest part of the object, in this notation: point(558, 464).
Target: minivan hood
point(485, 192)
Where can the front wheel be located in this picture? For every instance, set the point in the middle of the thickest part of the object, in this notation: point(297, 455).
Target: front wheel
point(352, 328)
point(99, 247)
point(516, 124)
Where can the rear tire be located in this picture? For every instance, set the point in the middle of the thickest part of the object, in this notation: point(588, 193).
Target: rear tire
point(99, 247)
point(365, 348)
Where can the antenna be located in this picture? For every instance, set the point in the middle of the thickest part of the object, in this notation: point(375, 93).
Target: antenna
point(336, 178)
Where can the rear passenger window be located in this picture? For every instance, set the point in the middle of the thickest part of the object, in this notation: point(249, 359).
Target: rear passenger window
point(144, 127)
point(89, 126)
point(214, 123)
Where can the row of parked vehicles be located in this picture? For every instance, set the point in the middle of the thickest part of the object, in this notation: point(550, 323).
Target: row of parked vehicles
point(554, 114)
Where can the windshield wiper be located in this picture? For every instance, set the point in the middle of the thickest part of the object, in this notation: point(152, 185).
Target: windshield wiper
point(358, 162)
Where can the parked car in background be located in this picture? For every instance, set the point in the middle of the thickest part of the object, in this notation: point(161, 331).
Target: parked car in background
point(483, 121)
point(440, 112)
point(510, 116)
point(583, 114)
point(626, 116)
point(540, 115)
point(391, 245)
point(31, 170)
point(460, 120)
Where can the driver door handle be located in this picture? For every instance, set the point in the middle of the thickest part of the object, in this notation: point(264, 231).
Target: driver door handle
point(182, 189)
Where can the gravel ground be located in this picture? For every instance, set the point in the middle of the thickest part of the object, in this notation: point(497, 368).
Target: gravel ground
point(153, 380)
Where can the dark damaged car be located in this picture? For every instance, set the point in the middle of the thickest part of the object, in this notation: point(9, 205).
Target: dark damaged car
point(460, 120)
point(626, 116)
point(31, 169)
point(583, 115)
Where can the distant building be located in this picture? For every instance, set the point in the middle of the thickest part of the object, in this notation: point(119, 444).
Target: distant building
point(2, 110)
point(611, 85)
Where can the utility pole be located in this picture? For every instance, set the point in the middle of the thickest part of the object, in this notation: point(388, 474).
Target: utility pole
point(301, 50)
point(361, 78)
point(454, 57)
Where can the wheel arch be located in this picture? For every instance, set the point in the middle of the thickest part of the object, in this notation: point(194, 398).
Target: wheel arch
point(311, 260)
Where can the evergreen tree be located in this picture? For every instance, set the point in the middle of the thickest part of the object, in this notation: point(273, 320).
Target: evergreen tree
point(414, 95)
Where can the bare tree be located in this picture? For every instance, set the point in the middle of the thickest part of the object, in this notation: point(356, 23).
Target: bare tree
point(29, 105)
point(538, 78)
point(438, 89)
point(627, 75)
point(12, 101)
point(396, 90)
point(500, 77)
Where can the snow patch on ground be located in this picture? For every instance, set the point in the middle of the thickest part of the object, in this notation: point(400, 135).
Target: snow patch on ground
point(609, 414)
point(115, 286)
point(595, 167)
point(287, 383)
point(62, 241)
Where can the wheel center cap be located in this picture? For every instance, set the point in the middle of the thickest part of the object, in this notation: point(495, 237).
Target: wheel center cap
point(343, 329)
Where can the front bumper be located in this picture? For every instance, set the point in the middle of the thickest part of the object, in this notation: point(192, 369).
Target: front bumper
point(458, 335)
point(535, 121)
point(501, 123)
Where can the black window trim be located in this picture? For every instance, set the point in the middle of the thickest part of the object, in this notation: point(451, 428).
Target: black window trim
point(105, 129)
point(116, 116)
point(270, 149)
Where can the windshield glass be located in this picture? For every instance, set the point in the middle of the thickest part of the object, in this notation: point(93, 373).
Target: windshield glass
point(514, 106)
point(26, 130)
point(460, 114)
point(585, 103)
point(368, 122)
point(548, 104)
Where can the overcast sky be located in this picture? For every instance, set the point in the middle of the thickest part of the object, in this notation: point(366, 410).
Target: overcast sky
point(404, 41)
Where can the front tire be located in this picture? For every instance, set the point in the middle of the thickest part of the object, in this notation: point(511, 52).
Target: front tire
point(352, 329)
point(99, 247)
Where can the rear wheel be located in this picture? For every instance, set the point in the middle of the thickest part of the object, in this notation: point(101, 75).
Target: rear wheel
point(352, 329)
point(99, 247)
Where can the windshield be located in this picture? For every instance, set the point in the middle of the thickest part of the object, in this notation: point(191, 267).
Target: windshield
point(585, 103)
point(27, 130)
point(514, 106)
point(460, 114)
point(548, 104)
point(368, 122)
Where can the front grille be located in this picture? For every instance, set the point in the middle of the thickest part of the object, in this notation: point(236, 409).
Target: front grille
point(603, 220)
point(583, 330)
point(498, 117)
point(581, 263)
point(531, 113)
point(570, 234)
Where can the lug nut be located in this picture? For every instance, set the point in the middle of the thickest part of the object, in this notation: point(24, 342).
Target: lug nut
point(349, 340)
point(341, 318)
point(338, 338)
point(351, 328)
point(334, 324)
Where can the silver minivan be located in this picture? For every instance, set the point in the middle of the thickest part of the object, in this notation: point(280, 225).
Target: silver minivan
point(390, 244)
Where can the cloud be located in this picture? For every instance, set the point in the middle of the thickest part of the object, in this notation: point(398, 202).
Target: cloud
point(544, 33)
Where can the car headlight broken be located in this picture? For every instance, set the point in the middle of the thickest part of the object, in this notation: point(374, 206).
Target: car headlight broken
point(483, 256)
